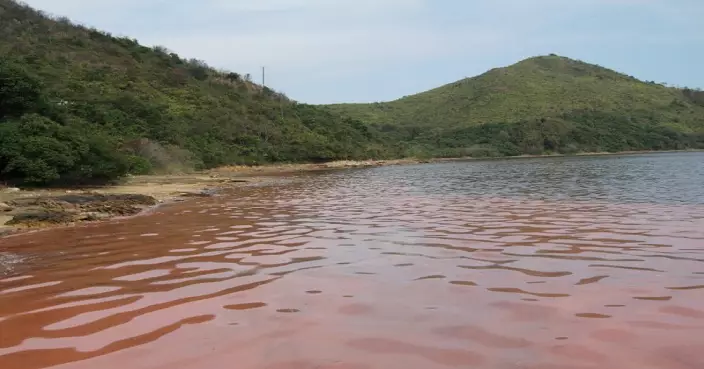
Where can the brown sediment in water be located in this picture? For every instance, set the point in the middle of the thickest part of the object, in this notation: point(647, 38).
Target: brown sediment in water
point(307, 276)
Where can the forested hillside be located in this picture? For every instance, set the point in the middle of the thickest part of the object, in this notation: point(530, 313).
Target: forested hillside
point(78, 104)
point(539, 105)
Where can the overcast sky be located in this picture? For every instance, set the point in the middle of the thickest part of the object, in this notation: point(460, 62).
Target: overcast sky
point(323, 51)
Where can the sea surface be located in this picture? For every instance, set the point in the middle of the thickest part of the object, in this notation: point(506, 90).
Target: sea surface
point(549, 263)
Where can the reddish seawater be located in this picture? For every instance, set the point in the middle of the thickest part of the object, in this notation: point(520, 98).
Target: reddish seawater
point(535, 264)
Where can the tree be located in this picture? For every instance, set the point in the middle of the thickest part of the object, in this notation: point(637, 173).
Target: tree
point(233, 77)
point(694, 95)
point(36, 150)
point(19, 92)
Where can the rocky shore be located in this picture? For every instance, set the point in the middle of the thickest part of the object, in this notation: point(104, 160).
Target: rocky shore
point(32, 212)
point(28, 209)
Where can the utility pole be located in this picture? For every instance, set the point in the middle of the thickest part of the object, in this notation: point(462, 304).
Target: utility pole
point(263, 76)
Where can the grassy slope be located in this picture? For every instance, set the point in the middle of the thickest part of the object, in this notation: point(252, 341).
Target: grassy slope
point(547, 86)
point(191, 111)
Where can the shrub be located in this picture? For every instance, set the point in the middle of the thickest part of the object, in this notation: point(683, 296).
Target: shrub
point(19, 92)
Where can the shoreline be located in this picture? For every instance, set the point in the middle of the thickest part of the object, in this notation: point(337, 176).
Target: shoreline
point(529, 156)
point(37, 209)
point(34, 209)
point(283, 169)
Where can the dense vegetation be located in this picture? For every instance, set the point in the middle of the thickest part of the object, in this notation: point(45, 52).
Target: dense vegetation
point(541, 105)
point(78, 105)
point(579, 131)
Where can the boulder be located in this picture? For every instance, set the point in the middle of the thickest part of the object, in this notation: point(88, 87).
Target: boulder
point(131, 199)
point(41, 217)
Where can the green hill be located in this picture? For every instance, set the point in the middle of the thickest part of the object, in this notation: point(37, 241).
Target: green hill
point(78, 105)
point(583, 106)
point(533, 88)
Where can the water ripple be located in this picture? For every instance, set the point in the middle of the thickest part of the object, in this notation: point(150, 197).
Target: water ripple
point(436, 266)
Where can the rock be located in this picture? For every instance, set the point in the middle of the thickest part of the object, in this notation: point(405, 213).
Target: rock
point(42, 202)
point(92, 216)
point(195, 194)
point(113, 204)
point(131, 199)
point(65, 209)
point(4, 219)
point(38, 218)
point(113, 208)
point(81, 199)
point(10, 189)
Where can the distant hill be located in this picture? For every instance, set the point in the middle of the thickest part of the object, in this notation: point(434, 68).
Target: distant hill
point(77, 104)
point(539, 87)
point(589, 107)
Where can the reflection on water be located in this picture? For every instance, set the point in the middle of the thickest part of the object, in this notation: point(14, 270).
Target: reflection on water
point(552, 263)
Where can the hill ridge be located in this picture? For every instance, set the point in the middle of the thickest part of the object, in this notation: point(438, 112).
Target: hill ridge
point(526, 106)
point(524, 78)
